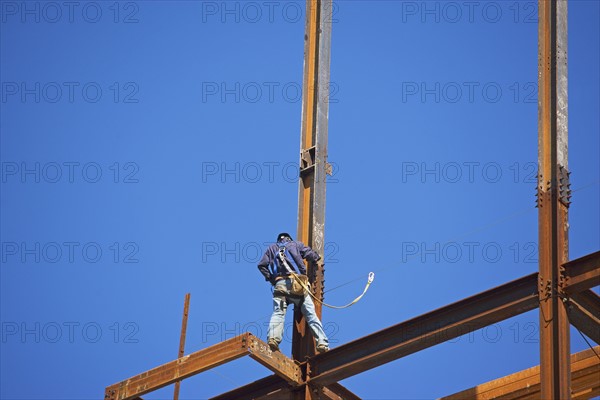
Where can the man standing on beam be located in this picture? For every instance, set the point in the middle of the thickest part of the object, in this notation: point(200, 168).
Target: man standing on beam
point(283, 266)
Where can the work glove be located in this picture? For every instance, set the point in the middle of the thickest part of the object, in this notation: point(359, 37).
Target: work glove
point(272, 280)
point(321, 262)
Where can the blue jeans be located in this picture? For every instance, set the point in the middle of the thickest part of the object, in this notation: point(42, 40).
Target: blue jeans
point(307, 307)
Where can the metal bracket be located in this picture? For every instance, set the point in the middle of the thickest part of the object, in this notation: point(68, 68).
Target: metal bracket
point(544, 288)
point(562, 283)
point(564, 185)
point(307, 160)
point(541, 191)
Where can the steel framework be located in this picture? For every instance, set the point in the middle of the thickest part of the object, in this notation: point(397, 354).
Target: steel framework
point(560, 290)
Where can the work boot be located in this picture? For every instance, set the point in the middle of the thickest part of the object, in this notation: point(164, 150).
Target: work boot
point(273, 345)
point(322, 348)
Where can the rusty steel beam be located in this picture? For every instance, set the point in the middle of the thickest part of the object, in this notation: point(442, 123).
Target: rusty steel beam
point(584, 313)
point(553, 191)
point(526, 384)
point(582, 273)
point(326, 394)
point(245, 344)
point(263, 387)
point(427, 330)
point(586, 385)
point(313, 157)
point(505, 299)
point(282, 394)
point(286, 368)
point(173, 371)
point(273, 387)
point(585, 395)
point(180, 353)
point(337, 391)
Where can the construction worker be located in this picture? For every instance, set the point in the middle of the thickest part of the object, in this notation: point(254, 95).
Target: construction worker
point(276, 265)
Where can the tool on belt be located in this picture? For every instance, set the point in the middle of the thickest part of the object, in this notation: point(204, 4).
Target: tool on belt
point(301, 286)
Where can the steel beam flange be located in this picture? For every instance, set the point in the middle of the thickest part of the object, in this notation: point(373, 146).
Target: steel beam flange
point(283, 366)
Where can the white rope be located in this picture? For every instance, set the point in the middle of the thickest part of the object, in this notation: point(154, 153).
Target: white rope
point(307, 287)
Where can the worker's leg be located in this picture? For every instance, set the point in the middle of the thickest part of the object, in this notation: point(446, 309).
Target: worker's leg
point(316, 327)
point(278, 317)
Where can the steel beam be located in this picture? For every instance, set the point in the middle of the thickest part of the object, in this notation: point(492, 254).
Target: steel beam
point(282, 394)
point(394, 342)
point(335, 389)
point(526, 384)
point(313, 156)
point(263, 387)
point(582, 273)
point(584, 313)
point(553, 197)
point(286, 368)
point(243, 345)
point(326, 394)
point(273, 387)
point(425, 331)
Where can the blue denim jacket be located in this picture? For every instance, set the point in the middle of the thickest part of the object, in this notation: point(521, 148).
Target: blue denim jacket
point(269, 264)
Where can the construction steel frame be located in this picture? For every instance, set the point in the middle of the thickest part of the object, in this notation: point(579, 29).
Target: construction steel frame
point(560, 290)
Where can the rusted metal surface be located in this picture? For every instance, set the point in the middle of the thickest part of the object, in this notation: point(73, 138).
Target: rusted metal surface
point(582, 273)
point(584, 313)
point(526, 384)
point(425, 331)
point(184, 367)
point(181, 368)
point(184, 320)
point(326, 394)
point(275, 361)
point(552, 202)
point(402, 339)
point(335, 389)
point(282, 394)
point(263, 387)
point(273, 387)
point(586, 387)
point(313, 157)
point(373, 350)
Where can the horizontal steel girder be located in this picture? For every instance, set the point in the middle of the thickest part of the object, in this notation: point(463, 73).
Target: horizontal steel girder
point(243, 345)
point(583, 310)
point(585, 380)
point(275, 387)
point(582, 273)
point(260, 388)
point(427, 330)
point(378, 348)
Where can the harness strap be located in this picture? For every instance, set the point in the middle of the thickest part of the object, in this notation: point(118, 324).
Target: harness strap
point(307, 287)
point(369, 281)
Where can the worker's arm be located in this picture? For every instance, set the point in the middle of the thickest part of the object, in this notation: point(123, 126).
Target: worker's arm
point(307, 253)
point(263, 266)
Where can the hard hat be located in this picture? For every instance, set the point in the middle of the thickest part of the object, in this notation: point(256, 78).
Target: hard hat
point(282, 235)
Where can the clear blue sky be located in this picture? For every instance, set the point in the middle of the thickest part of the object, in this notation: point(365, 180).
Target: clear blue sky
point(148, 150)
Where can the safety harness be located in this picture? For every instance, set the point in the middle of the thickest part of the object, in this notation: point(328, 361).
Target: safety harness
point(301, 286)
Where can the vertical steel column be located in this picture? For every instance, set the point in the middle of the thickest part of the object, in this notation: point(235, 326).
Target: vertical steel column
point(553, 198)
point(186, 309)
point(313, 155)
